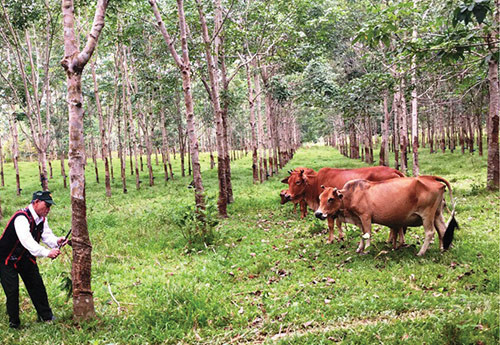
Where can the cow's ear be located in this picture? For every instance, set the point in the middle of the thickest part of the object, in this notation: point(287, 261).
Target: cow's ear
point(285, 180)
point(322, 186)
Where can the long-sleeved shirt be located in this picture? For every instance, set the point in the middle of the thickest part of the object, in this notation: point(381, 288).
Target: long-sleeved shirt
point(22, 227)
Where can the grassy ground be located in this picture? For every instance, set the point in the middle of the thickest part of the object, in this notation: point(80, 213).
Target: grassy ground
point(269, 277)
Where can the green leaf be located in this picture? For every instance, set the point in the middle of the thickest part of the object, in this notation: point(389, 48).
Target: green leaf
point(480, 13)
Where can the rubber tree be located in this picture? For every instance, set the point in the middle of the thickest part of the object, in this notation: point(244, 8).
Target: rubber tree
point(74, 62)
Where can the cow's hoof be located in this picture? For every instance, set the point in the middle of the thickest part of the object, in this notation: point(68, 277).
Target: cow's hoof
point(340, 239)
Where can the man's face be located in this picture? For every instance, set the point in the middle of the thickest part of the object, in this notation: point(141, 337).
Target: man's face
point(41, 207)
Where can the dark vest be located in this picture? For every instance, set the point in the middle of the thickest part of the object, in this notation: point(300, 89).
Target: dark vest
point(10, 246)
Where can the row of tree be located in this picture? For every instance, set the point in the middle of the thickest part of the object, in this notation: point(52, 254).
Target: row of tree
point(214, 75)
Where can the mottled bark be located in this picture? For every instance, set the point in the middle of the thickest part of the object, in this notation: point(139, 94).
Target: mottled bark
point(395, 129)
point(165, 150)
point(73, 63)
point(384, 147)
point(131, 127)
point(144, 123)
point(15, 150)
point(403, 128)
point(414, 105)
point(102, 131)
point(251, 106)
point(492, 180)
point(63, 169)
point(1, 164)
point(121, 154)
point(185, 69)
point(213, 74)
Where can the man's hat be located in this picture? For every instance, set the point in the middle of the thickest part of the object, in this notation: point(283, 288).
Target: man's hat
point(44, 196)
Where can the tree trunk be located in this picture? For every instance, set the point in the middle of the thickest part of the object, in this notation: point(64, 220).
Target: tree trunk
point(251, 106)
point(353, 142)
point(73, 63)
point(133, 135)
point(213, 74)
point(15, 151)
point(121, 154)
point(403, 129)
point(94, 158)
point(384, 147)
point(494, 108)
point(63, 169)
point(185, 69)
point(1, 163)
point(102, 130)
point(165, 154)
point(480, 134)
point(260, 128)
point(144, 123)
point(395, 129)
point(414, 131)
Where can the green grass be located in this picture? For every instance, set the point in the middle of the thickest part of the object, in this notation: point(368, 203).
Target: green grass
point(269, 277)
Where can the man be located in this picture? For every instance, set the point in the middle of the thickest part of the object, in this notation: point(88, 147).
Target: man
point(19, 247)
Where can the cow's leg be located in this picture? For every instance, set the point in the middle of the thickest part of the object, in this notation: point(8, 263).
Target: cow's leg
point(429, 234)
point(331, 227)
point(366, 227)
point(392, 239)
point(440, 225)
point(339, 225)
point(401, 232)
point(294, 208)
point(393, 236)
point(303, 209)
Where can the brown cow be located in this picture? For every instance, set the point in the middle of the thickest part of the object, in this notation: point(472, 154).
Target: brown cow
point(307, 185)
point(396, 203)
point(302, 203)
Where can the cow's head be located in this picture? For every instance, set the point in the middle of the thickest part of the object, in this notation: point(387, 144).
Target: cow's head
point(283, 194)
point(297, 183)
point(330, 203)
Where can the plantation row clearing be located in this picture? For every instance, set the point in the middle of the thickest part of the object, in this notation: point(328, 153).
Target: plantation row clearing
point(268, 277)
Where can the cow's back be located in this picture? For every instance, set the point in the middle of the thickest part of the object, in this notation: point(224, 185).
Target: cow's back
point(337, 178)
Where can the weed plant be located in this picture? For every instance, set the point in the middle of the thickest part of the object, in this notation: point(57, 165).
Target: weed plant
point(263, 275)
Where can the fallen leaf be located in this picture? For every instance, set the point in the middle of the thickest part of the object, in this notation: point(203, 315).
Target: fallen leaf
point(307, 324)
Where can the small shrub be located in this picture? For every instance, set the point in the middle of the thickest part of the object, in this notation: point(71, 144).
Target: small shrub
point(196, 226)
point(476, 188)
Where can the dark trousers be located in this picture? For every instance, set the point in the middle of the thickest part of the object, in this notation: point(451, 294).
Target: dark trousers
point(34, 284)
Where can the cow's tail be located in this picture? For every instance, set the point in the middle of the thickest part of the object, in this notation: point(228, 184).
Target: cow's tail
point(452, 224)
point(440, 179)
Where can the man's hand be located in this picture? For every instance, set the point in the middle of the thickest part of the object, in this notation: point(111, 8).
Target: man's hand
point(54, 253)
point(61, 242)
